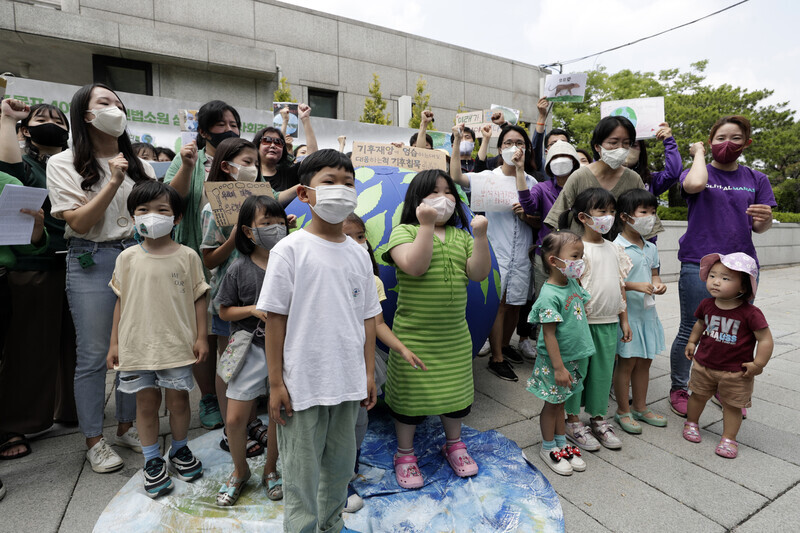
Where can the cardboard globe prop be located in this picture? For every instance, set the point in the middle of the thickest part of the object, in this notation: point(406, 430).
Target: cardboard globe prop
point(381, 191)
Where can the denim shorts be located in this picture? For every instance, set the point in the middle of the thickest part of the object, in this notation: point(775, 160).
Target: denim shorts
point(180, 378)
point(220, 327)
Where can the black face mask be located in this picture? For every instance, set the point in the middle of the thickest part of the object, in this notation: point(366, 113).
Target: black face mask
point(49, 134)
point(217, 138)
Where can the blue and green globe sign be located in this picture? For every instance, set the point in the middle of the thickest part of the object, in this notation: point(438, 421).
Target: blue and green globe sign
point(626, 112)
point(381, 191)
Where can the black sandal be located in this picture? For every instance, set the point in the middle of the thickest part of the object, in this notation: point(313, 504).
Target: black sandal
point(254, 449)
point(257, 431)
point(8, 444)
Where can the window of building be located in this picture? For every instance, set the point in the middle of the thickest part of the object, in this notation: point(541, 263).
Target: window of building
point(124, 75)
point(323, 103)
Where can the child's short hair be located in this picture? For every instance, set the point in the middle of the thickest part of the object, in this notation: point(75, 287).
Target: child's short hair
point(629, 201)
point(321, 159)
point(358, 221)
point(552, 244)
point(594, 198)
point(421, 186)
point(148, 190)
point(247, 214)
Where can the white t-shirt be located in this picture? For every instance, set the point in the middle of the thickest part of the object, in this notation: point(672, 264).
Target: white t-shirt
point(327, 290)
point(64, 187)
point(607, 266)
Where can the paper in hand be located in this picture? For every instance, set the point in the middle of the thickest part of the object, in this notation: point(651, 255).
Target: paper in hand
point(16, 227)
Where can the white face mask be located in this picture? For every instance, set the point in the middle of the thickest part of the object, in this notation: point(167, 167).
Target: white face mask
point(601, 225)
point(444, 207)
point(153, 225)
point(466, 147)
point(22, 145)
point(334, 202)
point(245, 173)
point(643, 225)
point(613, 158)
point(268, 236)
point(561, 166)
point(110, 120)
point(508, 153)
point(364, 245)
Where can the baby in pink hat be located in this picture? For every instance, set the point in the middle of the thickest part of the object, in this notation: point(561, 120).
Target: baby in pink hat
point(728, 329)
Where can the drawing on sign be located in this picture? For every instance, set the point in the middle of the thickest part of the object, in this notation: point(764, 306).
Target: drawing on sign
point(565, 87)
point(226, 198)
point(388, 155)
point(644, 113)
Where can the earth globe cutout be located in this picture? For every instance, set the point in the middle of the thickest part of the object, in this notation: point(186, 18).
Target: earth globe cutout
point(381, 192)
point(627, 112)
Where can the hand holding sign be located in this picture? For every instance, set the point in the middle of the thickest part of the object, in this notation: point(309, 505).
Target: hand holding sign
point(458, 133)
point(189, 154)
point(664, 131)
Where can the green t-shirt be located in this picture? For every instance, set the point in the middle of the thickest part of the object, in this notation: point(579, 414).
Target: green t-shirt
point(565, 307)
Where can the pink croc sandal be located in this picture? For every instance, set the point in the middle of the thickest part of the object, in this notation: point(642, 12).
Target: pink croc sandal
point(691, 432)
point(727, 448)
point(407, 472)
point(460, 461)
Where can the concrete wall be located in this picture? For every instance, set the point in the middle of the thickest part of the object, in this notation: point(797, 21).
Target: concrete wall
point(780, 246)
point(237, 49)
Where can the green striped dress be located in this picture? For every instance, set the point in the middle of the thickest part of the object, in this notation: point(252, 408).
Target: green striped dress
point(431, 321)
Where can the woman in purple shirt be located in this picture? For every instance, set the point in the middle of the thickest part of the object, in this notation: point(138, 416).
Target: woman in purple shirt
point(727, 202)
point(657, 182)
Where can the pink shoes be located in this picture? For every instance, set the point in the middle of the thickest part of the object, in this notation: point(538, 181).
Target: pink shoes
point(727, 448)
point(691, 432)
point(407, 472)
point(460, 461)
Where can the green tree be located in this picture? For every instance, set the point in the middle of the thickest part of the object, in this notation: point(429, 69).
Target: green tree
point(375, 106)
point(284, 92)
point(420, 103)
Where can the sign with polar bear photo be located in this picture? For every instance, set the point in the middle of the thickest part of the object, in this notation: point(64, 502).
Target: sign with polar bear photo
point(645, 114)
point(565, 87)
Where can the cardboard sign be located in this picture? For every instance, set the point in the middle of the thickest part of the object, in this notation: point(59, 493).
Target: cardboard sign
point(226, 198)
point(491, 192)
point(645, 114)
point(475, 120)
point(387, 155)
point(565, 87)
point(277, 119)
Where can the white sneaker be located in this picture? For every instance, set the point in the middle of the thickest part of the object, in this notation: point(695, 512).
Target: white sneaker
point(485, 349)
point(604, 432)
point(102, 458)
point(573, 454)
point(354, 504)
point(528, 350)
point(129, 439)
point(553, 458)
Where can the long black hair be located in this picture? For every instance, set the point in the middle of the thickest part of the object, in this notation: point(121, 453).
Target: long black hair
point(83, 157)
point(226, 151)
point(530, 162)
point(38, 110)
point(594, 198)
point(421, 186)
point(247, 214)
point(606, 127)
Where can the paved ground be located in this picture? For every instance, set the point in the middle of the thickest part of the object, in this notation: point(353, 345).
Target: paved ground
point(657, 482)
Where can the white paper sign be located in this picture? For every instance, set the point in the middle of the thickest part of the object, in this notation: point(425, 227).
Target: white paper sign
point(16, 227)
point(490, 192)
point(565, 87)
point(645, 114)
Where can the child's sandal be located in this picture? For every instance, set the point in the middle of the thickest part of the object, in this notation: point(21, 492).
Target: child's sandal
point(727, 448)
point(230, 491)
point(274, 484)
point(691, 432)
point(257, 431)
point(659, 421)
point(460, 461)
point(407, 471)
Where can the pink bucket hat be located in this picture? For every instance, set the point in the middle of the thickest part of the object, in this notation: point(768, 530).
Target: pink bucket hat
point(739, 261)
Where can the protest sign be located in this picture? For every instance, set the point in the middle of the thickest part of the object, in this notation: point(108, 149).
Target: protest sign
point(277, 120)
point(511, 115)
point(565, 87)
point(388, 155)
point(226, 198)
point(188, 123)
point(16, 227)
point(490, 192)
point(441, 139)
point(645, 114)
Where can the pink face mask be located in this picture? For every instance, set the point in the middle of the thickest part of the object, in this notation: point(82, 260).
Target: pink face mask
point(573, 268)
point(726, 152)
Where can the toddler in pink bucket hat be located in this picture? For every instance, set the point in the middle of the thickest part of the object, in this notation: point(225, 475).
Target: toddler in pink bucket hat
point(739, 261)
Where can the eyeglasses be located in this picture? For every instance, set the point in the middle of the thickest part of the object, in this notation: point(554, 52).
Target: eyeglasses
point(277, 141)
point(612, 144)
point(518, 144)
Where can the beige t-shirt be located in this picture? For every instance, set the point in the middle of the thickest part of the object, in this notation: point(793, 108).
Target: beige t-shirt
point(157, 323)
point(64, 187)
point(607, 266)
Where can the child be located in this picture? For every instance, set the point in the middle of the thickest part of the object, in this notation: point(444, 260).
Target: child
point(636, 215)
point(320, 298)
point(604, 278)
point(564, 341)
point(159, 330)
point(262, 223)
point(727, 330)
point(435, 259)
point(355, 228)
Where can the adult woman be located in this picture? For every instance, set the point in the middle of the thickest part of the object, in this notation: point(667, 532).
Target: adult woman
point(660, 181)
point(611, 141)
point(276, 162)
point(89, 186)
point(727, 202)
point(36, 380)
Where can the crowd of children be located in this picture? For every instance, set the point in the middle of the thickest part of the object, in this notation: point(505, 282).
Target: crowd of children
point(170, 298)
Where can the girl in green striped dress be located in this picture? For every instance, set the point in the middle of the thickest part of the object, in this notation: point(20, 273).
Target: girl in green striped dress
point(435, 258)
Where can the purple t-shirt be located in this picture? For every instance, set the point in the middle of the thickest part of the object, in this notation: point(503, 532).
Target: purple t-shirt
point(662, 180)
point(717, 219)
point(538, 201)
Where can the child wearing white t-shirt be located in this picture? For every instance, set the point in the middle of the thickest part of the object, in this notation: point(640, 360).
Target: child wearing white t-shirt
point(321, 303)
